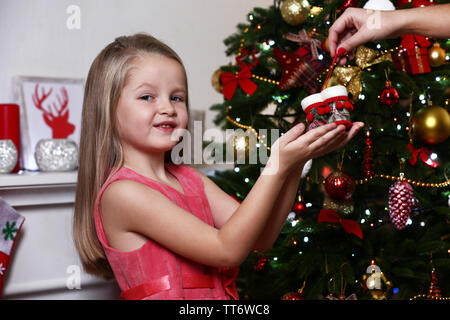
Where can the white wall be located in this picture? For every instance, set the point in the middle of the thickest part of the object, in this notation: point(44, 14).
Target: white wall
point(36, 42)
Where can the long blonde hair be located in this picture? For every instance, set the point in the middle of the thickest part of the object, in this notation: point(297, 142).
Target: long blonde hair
point(100, 147)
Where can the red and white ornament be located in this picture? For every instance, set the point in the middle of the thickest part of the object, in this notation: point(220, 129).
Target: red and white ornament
point(401, 201)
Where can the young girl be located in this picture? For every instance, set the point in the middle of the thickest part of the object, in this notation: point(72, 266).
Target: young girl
point(166, 231)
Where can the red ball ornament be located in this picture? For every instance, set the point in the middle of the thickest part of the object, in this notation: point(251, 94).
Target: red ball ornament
point(389, 96)
point(422, 3)
point(339, 186)
point(299, 207)
point(293, 296)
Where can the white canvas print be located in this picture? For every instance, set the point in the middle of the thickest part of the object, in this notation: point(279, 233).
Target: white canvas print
point(50, 109)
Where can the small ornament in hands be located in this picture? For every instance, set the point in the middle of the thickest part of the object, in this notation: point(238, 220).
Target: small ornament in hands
point(336, 98)
point(330, 105)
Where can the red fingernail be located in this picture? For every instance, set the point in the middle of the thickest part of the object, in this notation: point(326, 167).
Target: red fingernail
point(341, 51)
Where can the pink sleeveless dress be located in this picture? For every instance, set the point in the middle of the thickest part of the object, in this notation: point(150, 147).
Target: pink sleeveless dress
point(154, 272)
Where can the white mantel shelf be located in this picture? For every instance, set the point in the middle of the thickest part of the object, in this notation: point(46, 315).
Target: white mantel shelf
point(37, 178)
point(38, 188)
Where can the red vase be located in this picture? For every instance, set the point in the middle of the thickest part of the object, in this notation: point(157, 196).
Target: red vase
point(10, 128)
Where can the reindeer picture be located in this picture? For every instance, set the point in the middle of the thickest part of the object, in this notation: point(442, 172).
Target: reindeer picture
point(59, 122)
point(50, 109)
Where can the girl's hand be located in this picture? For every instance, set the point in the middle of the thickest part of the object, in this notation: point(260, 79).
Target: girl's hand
point(295, 148)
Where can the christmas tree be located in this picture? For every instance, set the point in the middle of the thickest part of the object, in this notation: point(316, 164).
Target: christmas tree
point(369, 215)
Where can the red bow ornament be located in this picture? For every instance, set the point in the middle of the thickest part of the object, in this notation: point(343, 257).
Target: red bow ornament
point(230, 82)
point(424, 155)
point(329, 215)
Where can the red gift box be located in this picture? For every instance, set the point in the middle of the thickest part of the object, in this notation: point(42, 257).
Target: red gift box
point(10, 128)
point(416, 49)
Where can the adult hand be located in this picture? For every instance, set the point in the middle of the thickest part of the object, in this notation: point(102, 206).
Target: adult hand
point(357, 26)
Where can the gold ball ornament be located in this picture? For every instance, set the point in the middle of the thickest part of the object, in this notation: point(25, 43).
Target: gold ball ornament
point(431, 124)
point(436, 55)
point(215, 81)
point(295, 12)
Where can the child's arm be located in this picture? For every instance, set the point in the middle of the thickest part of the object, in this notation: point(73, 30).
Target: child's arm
point(283, 206)
point(129, 207)
point(223, 206)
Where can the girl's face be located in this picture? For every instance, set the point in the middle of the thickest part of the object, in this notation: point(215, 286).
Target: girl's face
point(155, 92)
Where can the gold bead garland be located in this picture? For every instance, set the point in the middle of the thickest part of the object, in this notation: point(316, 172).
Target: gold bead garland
point(262, 78)
point(240, 125)
point(394, 178)
point(429, 297)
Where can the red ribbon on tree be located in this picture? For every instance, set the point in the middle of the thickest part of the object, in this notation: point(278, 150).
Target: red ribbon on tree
point(230, 81)
point(329, 215)
point(409, 40)
point(424, 155)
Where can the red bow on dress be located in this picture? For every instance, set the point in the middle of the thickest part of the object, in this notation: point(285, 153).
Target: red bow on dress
point(423, 152)
point(329, 215)
point(229, 276)
point(230, 82)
